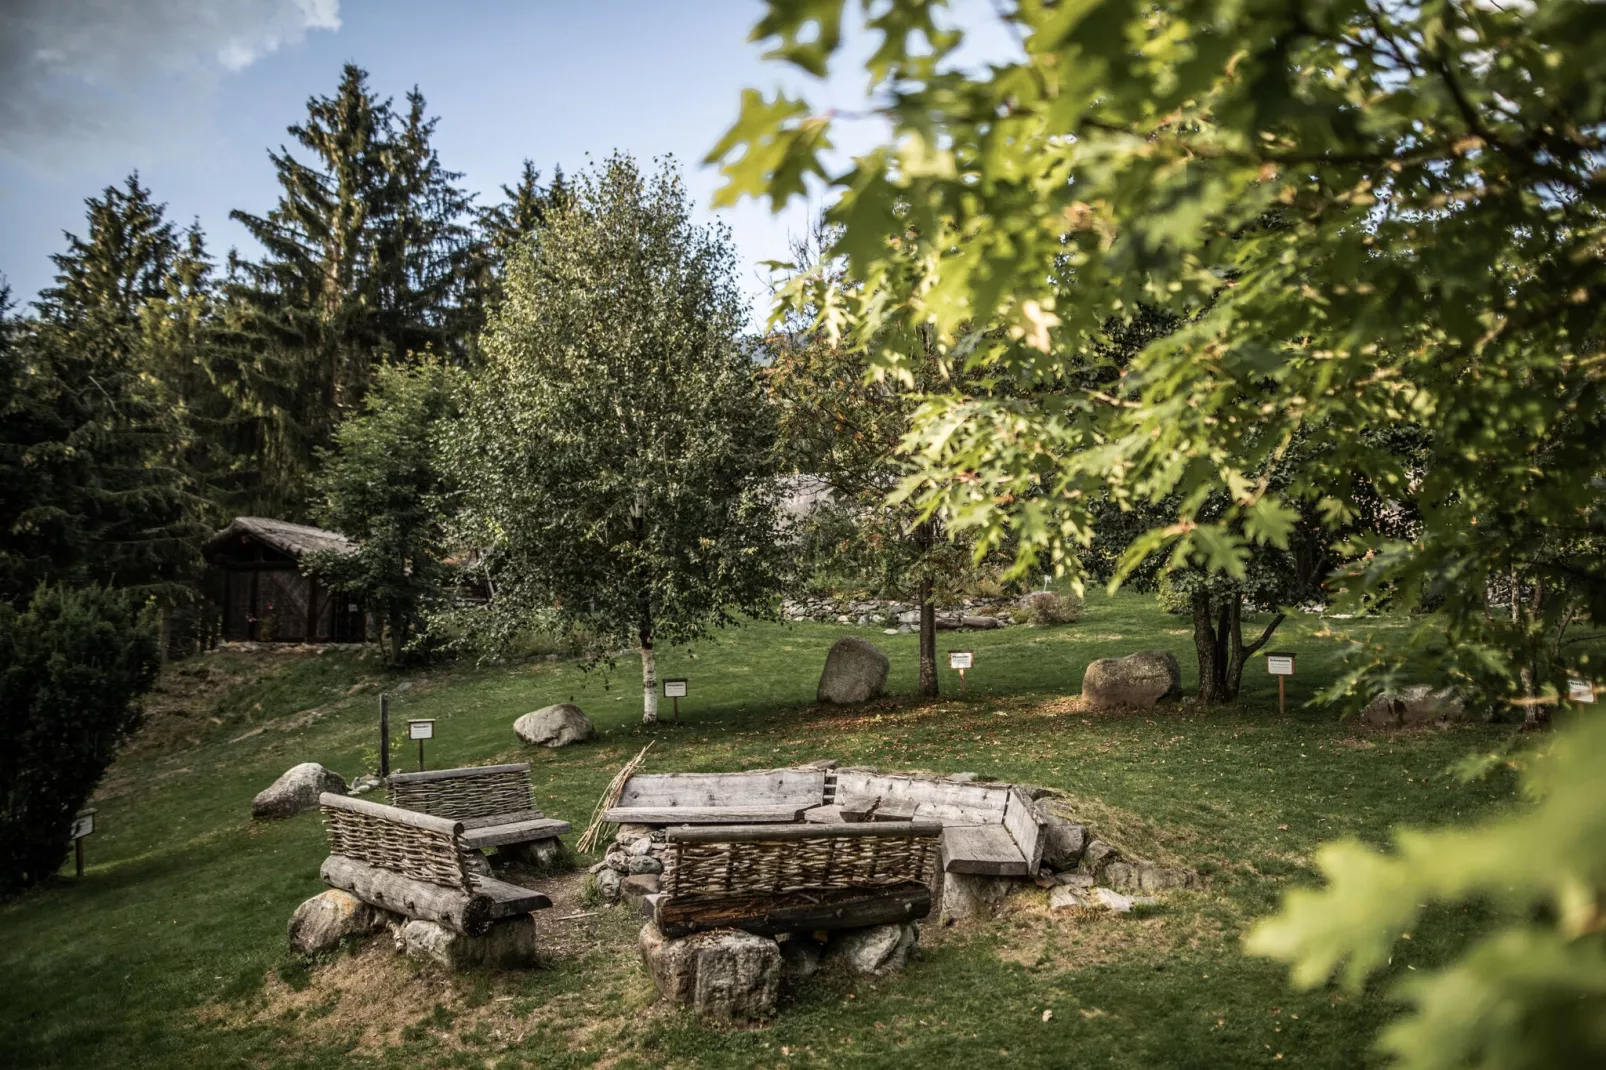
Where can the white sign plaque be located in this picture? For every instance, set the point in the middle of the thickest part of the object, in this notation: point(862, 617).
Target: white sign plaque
point(1280, 664)
point(420, 729)
point(1580, 690)
point(674, 689)
point(83, 824)
point(961, 659)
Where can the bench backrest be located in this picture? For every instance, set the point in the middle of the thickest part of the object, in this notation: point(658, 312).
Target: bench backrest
point(940, 800)
point(764, 787)
point(736, 860)
point(473, 791)
point(1020, 818)
point(421, 846)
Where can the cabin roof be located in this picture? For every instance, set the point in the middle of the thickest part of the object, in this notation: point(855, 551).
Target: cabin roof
point(293, 539)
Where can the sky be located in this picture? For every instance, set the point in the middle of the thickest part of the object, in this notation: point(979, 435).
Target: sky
point(193, 93)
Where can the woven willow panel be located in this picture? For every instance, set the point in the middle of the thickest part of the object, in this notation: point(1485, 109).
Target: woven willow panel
point(467, 795)
point(431, 857)
point(823, 862)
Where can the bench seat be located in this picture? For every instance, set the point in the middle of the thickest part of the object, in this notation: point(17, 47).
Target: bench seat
point(982, 849)
point(702, 815)
point(509, 899)
point(501, 835)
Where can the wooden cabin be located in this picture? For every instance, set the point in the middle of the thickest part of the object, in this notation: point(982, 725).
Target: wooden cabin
point(266, 597)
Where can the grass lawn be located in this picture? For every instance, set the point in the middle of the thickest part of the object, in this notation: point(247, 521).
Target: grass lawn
point(171, 950)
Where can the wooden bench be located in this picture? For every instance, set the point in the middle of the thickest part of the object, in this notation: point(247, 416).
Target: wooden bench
point(414, 864)
point(988, 829)
point(492, 802)
point(762, 797)
point(770, 879)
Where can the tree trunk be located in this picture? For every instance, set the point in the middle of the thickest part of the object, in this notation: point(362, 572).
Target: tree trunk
point(396, 638)
point(1238, 653)
point(649, 676)
point(928, 618)
point(1204, 648)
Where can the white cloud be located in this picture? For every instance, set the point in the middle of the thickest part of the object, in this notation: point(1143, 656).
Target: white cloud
point(74, 71)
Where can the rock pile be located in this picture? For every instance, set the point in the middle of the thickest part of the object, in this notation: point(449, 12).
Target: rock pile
point(630, 867)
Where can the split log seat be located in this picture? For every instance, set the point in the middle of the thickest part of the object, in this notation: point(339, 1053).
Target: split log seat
point(417, 865)
point(988, 829)
point(492, 802)
point(761, 797)
point(771, 879)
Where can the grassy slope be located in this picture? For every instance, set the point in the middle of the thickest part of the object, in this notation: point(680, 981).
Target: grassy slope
point(170, 951)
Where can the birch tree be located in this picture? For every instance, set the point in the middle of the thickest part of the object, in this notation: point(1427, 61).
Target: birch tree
point(617, 456)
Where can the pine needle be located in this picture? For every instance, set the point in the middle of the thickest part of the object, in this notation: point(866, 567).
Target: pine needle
point(610, 798)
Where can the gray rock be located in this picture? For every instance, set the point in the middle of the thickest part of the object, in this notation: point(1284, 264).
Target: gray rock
point(876, 950)
point(645, 864)
point(1066, 897)
point(800, 959)
point(297, 790)
point(639, 847)
point(1417, 704)
point(1112, 900)
point(555, 726)
point(364, 784)
point(1080, 881)
point(855, 671)
point(1097, 858)
point(608, 884)
point(968, 895)
point(1140, 680)
point(509, 944)
point(724, 976)
point(598, 868)
point(1064, 840)
point(617, 860)
point(637, 887)
point(323, 921)
point(542, 854)
point(979, 623)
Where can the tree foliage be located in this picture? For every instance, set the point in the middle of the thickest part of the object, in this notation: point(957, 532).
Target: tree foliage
point(616, 461)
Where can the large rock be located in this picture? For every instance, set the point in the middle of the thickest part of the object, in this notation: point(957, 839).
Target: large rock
point(855, 671)
point(323, 921)
point(297, 790)
point(724, 976)
point(545, 854)
point(1139, 876)
point(1414, 705)
point(969, 895)
point(1064, 840)
point(1142, 679)
point(554, 726)
point(635, 889)
point(509, 944)
point(877, 949)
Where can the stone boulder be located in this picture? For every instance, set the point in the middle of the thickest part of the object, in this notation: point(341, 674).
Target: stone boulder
point(1417, 704)
point(323, 921)
point(509, 944)
point(297, 790)
point(1139, 876)
point(855, 671)
point(555, 726)
point(875, 950)
point(801, 957)
point(635, 889)
point(1064, 839)
point(724, 976)
point(1142, 680)
point(970, 895)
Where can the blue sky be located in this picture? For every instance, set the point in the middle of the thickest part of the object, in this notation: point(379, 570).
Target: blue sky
point(194, 92)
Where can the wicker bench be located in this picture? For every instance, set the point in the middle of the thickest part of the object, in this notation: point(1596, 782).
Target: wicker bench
point(770, 879)
point(493, 803)
point(762, 797)
point(417, 865)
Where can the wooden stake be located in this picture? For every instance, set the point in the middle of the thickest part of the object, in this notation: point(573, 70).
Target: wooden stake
point(1282, 696)
point(676, 701)
point(420, 755)
point(79, 845)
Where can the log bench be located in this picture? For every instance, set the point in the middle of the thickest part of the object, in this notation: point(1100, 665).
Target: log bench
point(762, 797)
point(771, 879)
point(988, 829)
point(418, 865)
point(493, 803)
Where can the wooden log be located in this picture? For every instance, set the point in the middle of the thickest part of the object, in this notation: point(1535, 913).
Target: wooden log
point(1020, 818)
point(453, 774)
point(509, 899)
point(513, 818)
point(455, 909)
point(988, 850)
point(521, 832)
point(801, 911)
point(781, 833)
point(800, 788)
point(962, 804)
point(702, 815)
point(429, 822)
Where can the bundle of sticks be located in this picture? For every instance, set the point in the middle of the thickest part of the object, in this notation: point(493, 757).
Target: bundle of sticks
point(593, 834)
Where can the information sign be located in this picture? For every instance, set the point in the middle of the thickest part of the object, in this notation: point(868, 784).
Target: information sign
point(1580, 690)
point(961, 659)
point(1280, 664)
point(420, 729)
point(674, 689)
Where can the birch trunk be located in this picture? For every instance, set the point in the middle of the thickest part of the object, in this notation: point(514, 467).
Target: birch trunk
point(649, 681)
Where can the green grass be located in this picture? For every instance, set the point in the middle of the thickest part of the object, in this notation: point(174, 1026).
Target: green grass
point(170, 951)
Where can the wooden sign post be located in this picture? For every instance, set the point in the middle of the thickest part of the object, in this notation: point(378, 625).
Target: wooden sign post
point(1280, 665)
point(1580, 690)
point(384, 736)
point(961, 660)
point(675, 690)
point(82, 826)
point(420, 730)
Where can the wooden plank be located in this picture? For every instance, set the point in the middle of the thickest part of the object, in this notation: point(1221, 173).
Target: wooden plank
point(824, 815)
point(428, 822)
point(984, 849)
point(471, 823)
point(800, 911)
point(454, 908)
point(875, 808)
point(783, 833)
point(765, 787)
point(701, 815)
point(545, 828)
point(1020, 818)
point(950, 803)
point(454, 774)
point(510, 899)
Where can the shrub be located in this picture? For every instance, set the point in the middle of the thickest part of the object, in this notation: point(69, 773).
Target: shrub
point(74, 665)
point(1171, 597)
point(1048, 607)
